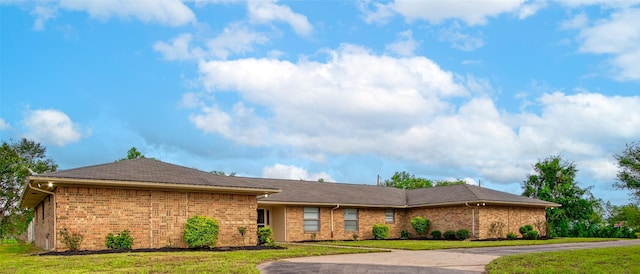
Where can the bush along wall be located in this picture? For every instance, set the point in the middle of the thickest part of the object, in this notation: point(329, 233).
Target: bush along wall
point(201, 231)
point(380, 231)
point(123, 240)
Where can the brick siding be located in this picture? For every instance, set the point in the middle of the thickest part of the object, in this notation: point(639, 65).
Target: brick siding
point(155, 218)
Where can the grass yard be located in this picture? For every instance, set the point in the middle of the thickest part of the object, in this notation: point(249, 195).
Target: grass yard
point(597, 260)
point(433, 245)
point(16, 258)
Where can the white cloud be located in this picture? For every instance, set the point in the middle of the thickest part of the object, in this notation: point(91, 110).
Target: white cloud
point(404, 45)
point(530, 8)
point(280, 171)
point(436, 11)
point(576, 22)
point(42, 14)
point(51, 126)
point(179, 49)
point(459, 40)
point(375, 12)
point(265, 11)
point(3, 124)
point(165, 12)
point(619, 37)
point(235, 39)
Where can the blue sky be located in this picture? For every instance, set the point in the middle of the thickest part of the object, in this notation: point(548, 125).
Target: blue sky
point(340, 90)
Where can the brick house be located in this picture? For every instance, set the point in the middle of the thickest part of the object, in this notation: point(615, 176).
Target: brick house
point(154, 199)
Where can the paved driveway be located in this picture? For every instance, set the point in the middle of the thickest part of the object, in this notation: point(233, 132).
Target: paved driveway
point(466, 260)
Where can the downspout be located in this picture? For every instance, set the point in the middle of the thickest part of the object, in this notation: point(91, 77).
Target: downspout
point(337, 206)
point(54, 213)
point(473, 219)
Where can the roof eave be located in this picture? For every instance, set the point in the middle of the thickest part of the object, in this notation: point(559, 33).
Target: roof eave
point(478, 203)
point(325, 204)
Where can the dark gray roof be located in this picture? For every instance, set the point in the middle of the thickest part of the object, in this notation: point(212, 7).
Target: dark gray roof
point(468, 194)
point(305, 192)
point(152, 171)
point(309, 192)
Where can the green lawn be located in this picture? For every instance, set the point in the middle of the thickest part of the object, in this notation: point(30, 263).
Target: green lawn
point(432, 245)
point(596, 260)
point(16, 258)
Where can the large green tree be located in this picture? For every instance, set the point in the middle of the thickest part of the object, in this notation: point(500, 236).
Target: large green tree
point(554, 181)
point(629, 214)
point(18, 159)
point(132, 153)
point(407, 180)
point(629, 173)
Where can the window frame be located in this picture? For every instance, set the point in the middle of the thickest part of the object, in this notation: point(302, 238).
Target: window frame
point(390, 215)
point(351, 219)
point(309, 220)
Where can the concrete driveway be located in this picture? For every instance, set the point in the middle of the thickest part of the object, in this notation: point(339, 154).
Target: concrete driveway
point(466, 260)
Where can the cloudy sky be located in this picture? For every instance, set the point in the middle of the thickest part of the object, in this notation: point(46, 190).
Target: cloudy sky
point(340, 90)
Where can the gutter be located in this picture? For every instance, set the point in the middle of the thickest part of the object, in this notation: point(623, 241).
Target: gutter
point(337, 206)
point(55, 222)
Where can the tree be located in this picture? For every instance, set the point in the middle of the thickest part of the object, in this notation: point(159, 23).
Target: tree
point(133, 153)
point(17, 161)
point(450, 183)
point(629, 174)
point(406, 180)
point(629, 214)
point(221, 173)
point(554, 181)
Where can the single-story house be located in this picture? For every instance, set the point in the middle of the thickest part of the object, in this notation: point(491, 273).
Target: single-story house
point(153, 200)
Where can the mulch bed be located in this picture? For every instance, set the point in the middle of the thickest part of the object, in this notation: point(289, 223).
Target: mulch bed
point(162, 249)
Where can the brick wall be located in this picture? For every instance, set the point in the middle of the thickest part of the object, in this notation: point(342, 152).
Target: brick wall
point(510, 219)
point(443, 218)
point(43, 224)
point(155, 218)
point(367, 217)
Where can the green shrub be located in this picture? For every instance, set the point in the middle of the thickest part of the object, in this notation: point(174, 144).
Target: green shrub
point(436, 234)
point(531, 235)
point(420, 225)
point(380, 231)
point(462, 234)
point(265, 236)
point(71, 240)
point(124, 240)
point(525, 229)
point(405, 234)
point(449, 235)
point(511, 236)
point(201, 231)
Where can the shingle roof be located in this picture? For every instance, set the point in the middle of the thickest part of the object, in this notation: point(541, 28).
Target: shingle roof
point(468, 194)
point(306, 192)
point(152, 171)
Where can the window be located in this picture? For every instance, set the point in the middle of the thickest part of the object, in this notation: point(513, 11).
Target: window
point(350, 219)
point(389, 216)
point(311, 219)
point(43, 211)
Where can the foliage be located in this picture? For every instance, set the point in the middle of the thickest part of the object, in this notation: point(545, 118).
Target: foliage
point(449, 235)
point(405, 234)
point(123, 240)
point(629, 215)
point(17, 161)
point(554, 181)
point(629, 173)
point(265, 236)
point(71, 240)
point(201, 231)
point(242, 230)
point(420, 225)
point(462, 234)
point(511, 236)
point(405, 180)
point(436, 234)
point(222, 173)
point(133, 153)
point(524, 229)
point(355, 236)
point(450, 183)
point(380, 231)
point(528, 233)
